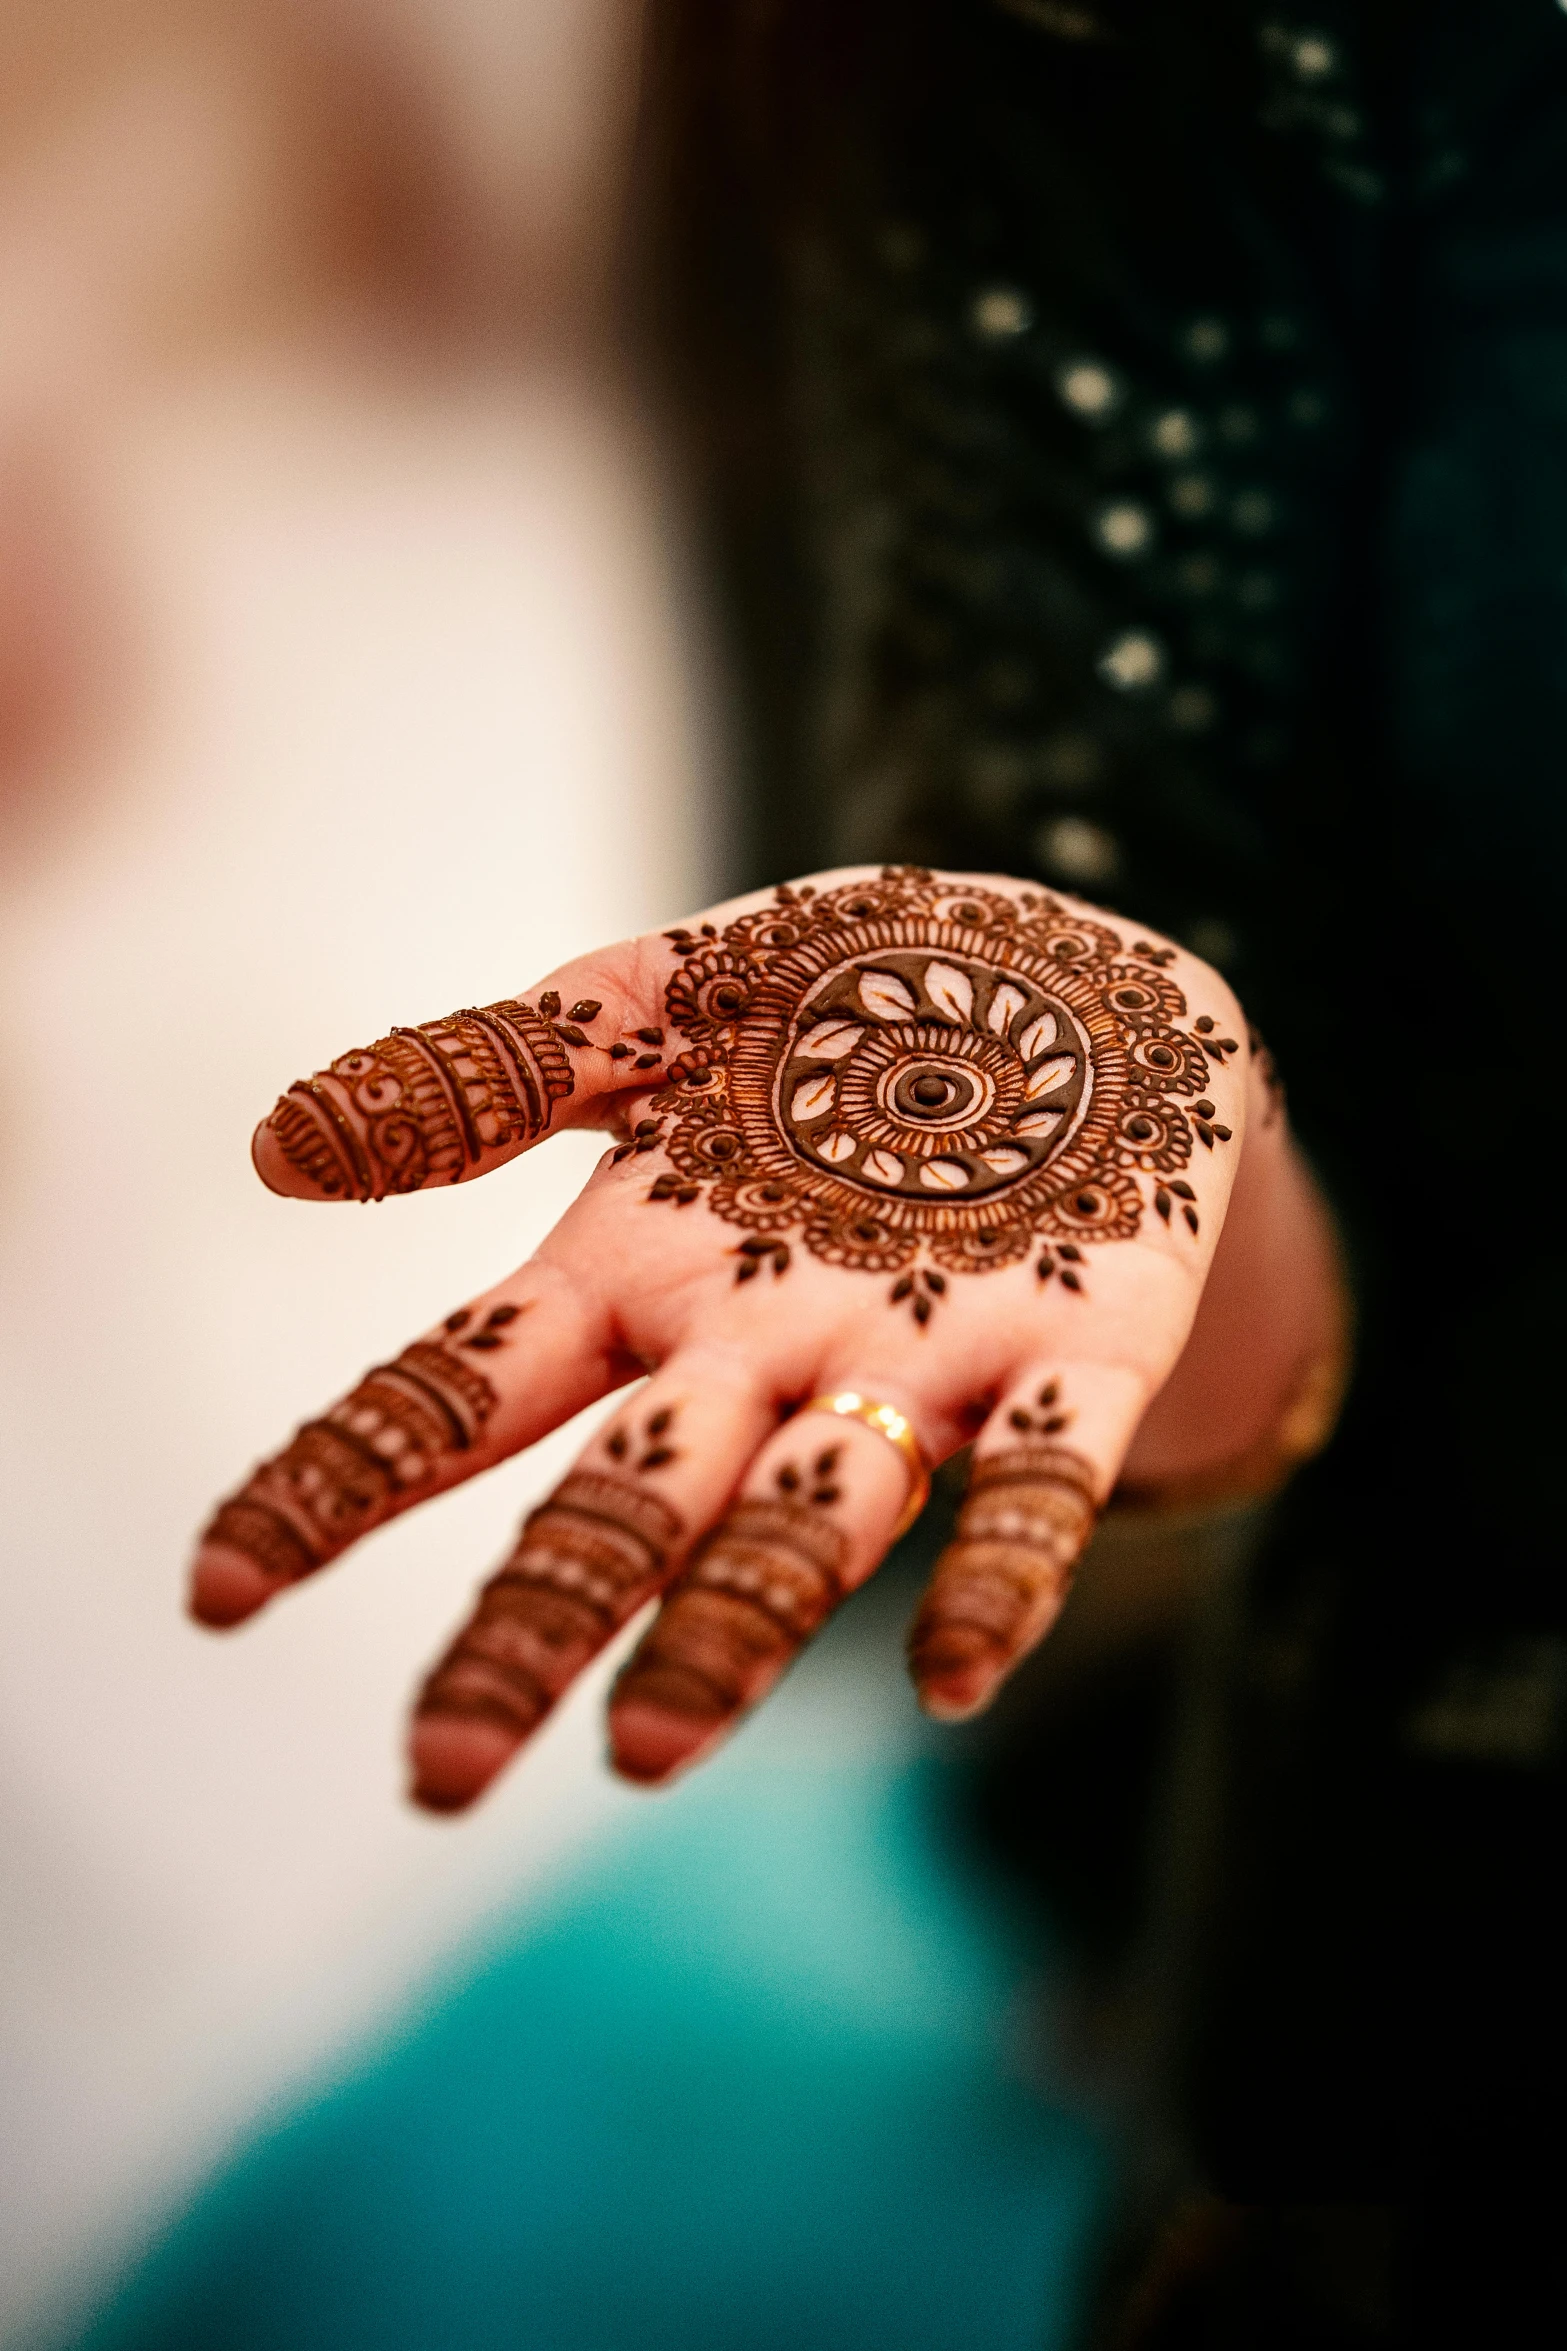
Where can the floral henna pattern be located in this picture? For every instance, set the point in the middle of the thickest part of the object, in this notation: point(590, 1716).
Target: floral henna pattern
point(586, 1560)
point(343, 1473)
point(1025, 1519)
point(757, 1590)
point(1045, 1417)
point(651, 1449)
point(423, 1105)
point(922, 1078)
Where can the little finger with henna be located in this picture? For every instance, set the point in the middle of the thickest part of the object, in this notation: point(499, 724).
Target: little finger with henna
point(1044, 1463)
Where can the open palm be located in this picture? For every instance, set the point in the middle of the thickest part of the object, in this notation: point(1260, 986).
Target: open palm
point(933, 1144)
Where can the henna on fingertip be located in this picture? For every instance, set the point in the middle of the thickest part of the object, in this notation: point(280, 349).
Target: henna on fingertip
point(1000, 1582)
point(421, 1106)
point(757, 1590)
point(341, 1475)
point(586, 1560)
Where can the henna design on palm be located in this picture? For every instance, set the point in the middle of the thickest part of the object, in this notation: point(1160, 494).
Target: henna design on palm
point(340, 1475)
point(922, 1078)
point(570, 1031)
point(585, 1561)
point(424, 1105)
point(1025, 1519)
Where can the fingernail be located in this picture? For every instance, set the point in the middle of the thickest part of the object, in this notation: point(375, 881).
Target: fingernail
point(649, 1746)
point(272, 1164)
point(226, 1587)
point(955, 1668)
point(955, 1701)
point(453, 1759)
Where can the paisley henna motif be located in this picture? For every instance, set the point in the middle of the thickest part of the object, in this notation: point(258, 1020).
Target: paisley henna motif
point(423, 1105)
point(1027, 1514)
point(340, 1475)
point(912, 1073)
point(586, 1560)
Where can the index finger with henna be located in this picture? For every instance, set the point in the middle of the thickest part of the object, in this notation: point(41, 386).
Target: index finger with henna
point(495, 1376)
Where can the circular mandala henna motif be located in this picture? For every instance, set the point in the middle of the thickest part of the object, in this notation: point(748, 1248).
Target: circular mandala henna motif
point(979, 1248)
point(911, 1065)
point(927, 1076)
point(711, 993)
point(864, 1242)
point(762, 1205)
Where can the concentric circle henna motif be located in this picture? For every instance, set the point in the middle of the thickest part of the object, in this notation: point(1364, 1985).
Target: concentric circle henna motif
point(712, 992)
point(908, 1065)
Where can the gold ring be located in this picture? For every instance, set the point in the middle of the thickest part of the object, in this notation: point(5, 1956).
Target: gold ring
point(892, 1424)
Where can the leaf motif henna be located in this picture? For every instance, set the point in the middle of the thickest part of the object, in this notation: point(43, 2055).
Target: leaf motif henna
point(1044, 1419)
point(1064, 1260)
point(817, 1481)
point(657, 1453)
point(585, 1561)
point(1026, 1516)
point(909, 1074)
point(340, 1475)
point(422, 1106)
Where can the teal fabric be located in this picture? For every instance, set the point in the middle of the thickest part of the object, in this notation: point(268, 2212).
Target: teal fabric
point(758, 2079)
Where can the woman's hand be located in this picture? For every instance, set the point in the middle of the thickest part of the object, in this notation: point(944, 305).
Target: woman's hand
point(941, 1144)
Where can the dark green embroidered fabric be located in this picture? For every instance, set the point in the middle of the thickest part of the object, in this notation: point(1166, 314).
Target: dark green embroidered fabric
point(1135, 437)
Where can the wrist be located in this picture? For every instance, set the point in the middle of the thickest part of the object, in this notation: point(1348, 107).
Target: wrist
point(1258, 1387)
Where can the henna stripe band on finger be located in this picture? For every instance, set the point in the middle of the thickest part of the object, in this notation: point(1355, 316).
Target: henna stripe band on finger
point(758, 1588)
point(339, 1475)
point(423, 1106)
point(585, 1561)
point(1025, 1519)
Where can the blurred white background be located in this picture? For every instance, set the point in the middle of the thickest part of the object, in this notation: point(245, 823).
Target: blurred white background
point(345, 675)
